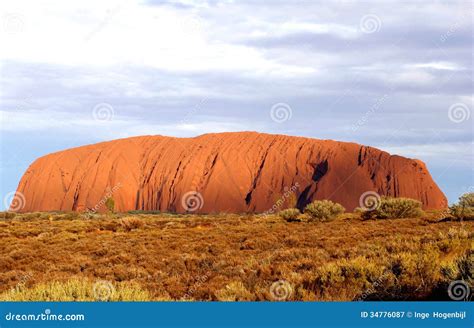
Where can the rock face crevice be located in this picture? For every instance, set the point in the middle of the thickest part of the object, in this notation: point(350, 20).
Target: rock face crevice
point(233, 172)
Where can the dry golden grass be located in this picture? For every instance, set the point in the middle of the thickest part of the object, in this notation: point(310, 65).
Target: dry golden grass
point(231, 257)
point(77, 290)
point(130, 222)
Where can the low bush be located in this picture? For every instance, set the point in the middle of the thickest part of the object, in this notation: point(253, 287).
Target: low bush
point(394, 208)
point(398, 208)
point(324, 210)
point(289, 214)
point(464, 209)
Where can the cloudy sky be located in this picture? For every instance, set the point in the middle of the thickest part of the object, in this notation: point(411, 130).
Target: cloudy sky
point(396, 75)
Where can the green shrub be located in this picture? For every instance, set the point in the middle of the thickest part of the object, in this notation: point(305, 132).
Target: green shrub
point(324, 210)
point(464, 209)
point(399, 208)
point(290, 214)
point(394, 208)
point(110, 204)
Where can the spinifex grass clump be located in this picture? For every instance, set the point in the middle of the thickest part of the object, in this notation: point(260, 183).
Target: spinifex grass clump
point(324, 210)
point(464, 209)
point(289, 214)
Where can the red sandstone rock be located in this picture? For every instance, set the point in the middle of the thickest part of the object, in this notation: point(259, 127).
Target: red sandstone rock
point(232, 172)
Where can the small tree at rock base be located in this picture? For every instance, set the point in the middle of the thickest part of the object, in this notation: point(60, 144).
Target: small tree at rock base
point(110, 204)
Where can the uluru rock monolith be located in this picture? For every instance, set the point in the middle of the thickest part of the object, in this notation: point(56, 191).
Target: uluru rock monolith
point(223, 172)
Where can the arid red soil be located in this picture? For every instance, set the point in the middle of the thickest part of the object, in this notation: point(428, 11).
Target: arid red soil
point(232, 172)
